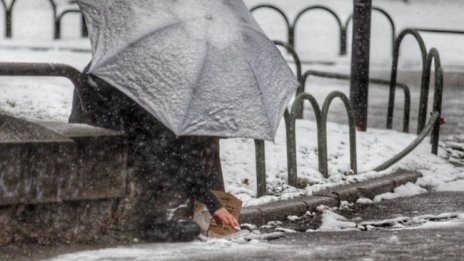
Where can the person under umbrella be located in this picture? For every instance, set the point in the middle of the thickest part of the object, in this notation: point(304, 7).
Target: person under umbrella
point(176, 170)
point(174, 73)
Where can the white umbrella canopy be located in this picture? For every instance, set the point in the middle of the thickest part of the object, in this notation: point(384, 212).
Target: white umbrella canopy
point(201, 67)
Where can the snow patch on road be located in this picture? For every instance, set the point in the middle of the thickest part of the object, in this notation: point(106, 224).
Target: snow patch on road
point(332, 221)
point(211, 250)
point(406, 190)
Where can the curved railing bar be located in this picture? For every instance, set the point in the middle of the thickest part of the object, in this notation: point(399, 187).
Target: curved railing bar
point(386, 15)
point(9, 15)
point(328, 10)
point(339, 76)
point(291, 136)
point(48, 70)
point(282, 14)
point(352, 130)
point(394, 71)
point(433, 120)
point(440, 31)
point(299, 69)
point(5, 6)
point(54, 8)
point(434, 56)
point(59, 19)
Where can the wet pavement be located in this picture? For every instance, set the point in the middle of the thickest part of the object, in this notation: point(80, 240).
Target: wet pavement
point(439, 240)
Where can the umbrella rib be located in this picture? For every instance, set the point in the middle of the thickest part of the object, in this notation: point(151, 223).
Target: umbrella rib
point(113, 56)
point(195, 85)
point(259, 88)
point(254, 30)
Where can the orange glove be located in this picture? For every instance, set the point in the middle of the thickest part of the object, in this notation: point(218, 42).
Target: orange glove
point(223, 217)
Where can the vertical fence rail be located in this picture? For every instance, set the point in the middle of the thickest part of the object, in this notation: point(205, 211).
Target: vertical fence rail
point(8, 17)
point(260, 168)
point(434, 57)
point(394, 76)
point(339, 76)
point(351, 126)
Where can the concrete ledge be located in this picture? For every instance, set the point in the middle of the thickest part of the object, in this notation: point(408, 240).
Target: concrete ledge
point(404, 177)
point(251, 215)
point(372, 188)
point(59, 162)
point(315, 201)
point(279, 210)
point(332, 197)
point(341, 193)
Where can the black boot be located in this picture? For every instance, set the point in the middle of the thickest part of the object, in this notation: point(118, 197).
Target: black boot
point(173, 231)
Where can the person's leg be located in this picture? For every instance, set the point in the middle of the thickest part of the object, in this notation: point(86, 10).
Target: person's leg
point(216, 177)
point(76, 115)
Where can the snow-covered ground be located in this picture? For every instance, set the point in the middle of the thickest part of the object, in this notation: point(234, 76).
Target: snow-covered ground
point(50, 99)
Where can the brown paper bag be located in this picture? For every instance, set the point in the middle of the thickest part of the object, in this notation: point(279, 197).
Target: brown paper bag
point(207, 223)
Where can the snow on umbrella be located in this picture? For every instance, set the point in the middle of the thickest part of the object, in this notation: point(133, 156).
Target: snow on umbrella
point(201, 67)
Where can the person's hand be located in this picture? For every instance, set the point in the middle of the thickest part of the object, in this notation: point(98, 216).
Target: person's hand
point(223, 217)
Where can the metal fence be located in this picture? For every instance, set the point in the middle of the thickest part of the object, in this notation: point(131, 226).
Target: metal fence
point(290, 117)
point(342, 28)
point(57, 17)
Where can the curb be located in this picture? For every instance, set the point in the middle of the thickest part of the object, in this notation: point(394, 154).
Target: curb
point(332, 197)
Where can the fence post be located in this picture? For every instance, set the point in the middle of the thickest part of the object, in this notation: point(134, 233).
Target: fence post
point(260, 168)
point(359, 90)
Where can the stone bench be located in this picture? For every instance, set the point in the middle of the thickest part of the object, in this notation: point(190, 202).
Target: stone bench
point(58, 180)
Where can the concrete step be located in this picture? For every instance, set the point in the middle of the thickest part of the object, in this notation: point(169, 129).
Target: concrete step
point(54, 162)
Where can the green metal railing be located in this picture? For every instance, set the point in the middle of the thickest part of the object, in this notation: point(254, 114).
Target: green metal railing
point(290, 124)
point(433, 120)
point(282, 14)
point(57, 18)
point(351, 125)
point(50, 70)
point(341, 27)
point(327, 10)
point(339, 76)
point(427, 59)
point(8, 9)
point(394, 76)
point(438, 31)
point(290, 117)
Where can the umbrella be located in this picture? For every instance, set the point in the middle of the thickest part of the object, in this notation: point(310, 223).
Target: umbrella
point(201, 67)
